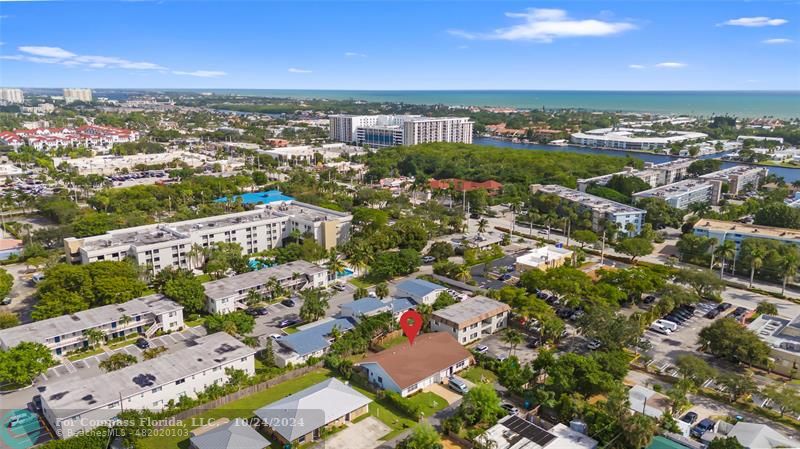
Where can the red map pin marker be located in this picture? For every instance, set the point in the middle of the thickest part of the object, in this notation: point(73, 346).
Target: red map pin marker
point(411, 323)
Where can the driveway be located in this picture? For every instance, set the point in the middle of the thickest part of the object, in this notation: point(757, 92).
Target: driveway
point(447, 394)
point(364, 434)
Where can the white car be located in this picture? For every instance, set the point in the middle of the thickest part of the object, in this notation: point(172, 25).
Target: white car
point(481, 349)
point(428, 259)
point(275, 336)
point(594, 344)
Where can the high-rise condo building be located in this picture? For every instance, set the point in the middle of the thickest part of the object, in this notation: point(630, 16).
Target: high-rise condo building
point(392, 130)
point(76, 94)
point(11, 96)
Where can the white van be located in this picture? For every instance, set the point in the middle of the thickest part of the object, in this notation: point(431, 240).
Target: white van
point(668, 324)
point(37, 277)
point(660, 329)
point(458, 385)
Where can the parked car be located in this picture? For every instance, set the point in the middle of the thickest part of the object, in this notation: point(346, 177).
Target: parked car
point(702, 427)
point(37, 277)
point(689, 418)
point(142, 343)
point(724, 306)
point(6, 301)
point(501, 357)
point(688, 307)
point(509, 408)
point(288, 322)
point(474, 215)
point(739, 312)
point(649, 299)
point(505, 277)
point(288, 302)
point(428, 259)
point(594, 344)
point(339, 287)
point(257, 311)
point(275, 336)
point(533, 343)
point(713, 313)
point(457, 384)
point(660, 329)
point(481, 349)
point(22, 419)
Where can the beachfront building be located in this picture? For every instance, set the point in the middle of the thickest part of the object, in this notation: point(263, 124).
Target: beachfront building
point(471, 320)
point(229, 294)
point(162, 245)
point(739, 178)
point(11, 96)
point(543, 258)
point(310, 340)
point(739, 232)
point(63, 334)
point(634, 139)
point(302, 417)
point(381, 131)
point(684, 193)
point(72, 94)
point(72, 407)
point(603, 210)
point(406, 369)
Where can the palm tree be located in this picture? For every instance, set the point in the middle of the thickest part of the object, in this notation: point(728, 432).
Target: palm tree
point(482, 224)
point(360, 292)
point(315, 304)
point(700, 209)
point(756, 259)
point(335, 264)
point(513, 337)
point(196, 255)
point(94, 336)
point(726, 250)
point(253, 297)
point(425, 310)
point(124, 320)
point(712, 244)
point(788, 266)
point(382, 290)
point(462, 273)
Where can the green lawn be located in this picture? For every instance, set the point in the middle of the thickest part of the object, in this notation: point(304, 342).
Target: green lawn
point(122, 343)
point(360, 282)
point(476, 373)
point(291, 329)
point(83, 354)
point(394, 342)
point(395, 419)
point(242, 408)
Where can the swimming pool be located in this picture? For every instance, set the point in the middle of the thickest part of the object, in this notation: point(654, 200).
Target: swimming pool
point(344, 273)
point(265, 197)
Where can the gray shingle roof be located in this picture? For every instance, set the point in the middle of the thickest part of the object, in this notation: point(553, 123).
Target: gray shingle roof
point(236, 434)
point(312, 408)
point(418, 287)
point(231, 286)
point(314, 338)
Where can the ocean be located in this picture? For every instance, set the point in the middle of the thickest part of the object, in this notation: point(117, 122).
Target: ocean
point(779, 104)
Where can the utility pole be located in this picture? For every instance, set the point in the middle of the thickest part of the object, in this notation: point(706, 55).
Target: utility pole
point(603, 248)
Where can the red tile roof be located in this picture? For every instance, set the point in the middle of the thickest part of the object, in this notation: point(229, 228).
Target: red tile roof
point(462, 185)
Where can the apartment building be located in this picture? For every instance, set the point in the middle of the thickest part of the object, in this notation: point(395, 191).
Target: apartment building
point(228, 294)
point(171, 244)
point(603, 210)
point(310, 340)
point(739, 232)
point(381, 131)
point(637, 139)
point(543, 258)
point(739, 177)
point(472, 319)
point(76, 94)
point(783, 337)
point(11, 96)
point(684, 193)
point(653, 174)
point(72, 407)
point(63, 334)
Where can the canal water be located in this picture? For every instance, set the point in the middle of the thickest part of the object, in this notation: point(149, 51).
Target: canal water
point(788, 174)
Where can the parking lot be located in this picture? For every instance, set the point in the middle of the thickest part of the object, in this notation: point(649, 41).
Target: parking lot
point(497, 347)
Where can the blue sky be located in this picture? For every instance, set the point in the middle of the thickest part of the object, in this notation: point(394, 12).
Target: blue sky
point(618, 45)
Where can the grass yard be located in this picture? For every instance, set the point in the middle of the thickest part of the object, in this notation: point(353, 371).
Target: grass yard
point(400, 339)
point(395, 419)
point(475, 373)
point(83, 354)
point(177, 437)
point(360, 282)
point(122, 344)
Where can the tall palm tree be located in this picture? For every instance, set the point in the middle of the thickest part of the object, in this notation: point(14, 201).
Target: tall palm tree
point(382, 290)
point(726, 250)
point(196, 256)
point(788, 266)
point(94, 336)
point(315, 304)
point(712, 244)
point(462, 273)
point(482, 224)
point(335, 264)
point(513, 337)
point(756, 260)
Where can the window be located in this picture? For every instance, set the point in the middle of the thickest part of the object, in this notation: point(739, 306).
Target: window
point(156, 390)
point(180, 381)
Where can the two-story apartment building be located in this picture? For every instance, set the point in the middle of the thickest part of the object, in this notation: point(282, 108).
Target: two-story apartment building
point(163, 245)
point(72, 407)
point(227, 294)
point(471, 320)
point(145, 315)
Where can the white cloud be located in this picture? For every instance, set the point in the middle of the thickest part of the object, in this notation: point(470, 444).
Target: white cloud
point(760, 21)
point(671, 65)
point(296, 70)
point(352, 54)
point(47, 52)
point(57, 55)
point(201, 73)
point(777, 41)
point(635, 66)
point(546, 25)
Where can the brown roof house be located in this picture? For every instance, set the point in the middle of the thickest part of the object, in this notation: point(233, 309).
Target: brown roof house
point(406, 369)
